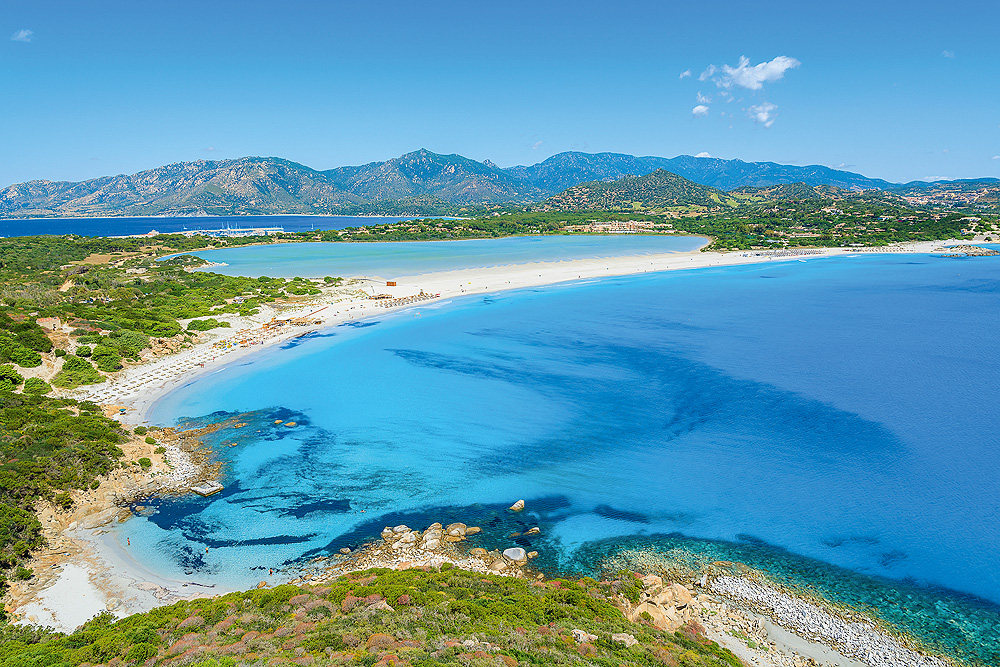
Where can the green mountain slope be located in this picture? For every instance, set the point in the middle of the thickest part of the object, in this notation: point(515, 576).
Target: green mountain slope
point(567, 169)
point(783, 191)
point(451, 178)
point(656, 190)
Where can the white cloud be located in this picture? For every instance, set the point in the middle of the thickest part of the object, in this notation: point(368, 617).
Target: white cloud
point(23, 35)
point(703, 99)
point(685, 74)
point(700, 110)
point(948, 54)
point(763, 113)
point(538, 144)
point(210, 149)
point(703, 154)
point(752, 77)
point(995, 157)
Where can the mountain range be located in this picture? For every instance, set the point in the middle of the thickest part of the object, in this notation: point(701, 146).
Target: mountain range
point(418, 183)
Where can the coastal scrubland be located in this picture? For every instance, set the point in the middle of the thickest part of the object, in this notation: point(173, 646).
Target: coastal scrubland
point(48, 447)
point(382, 617)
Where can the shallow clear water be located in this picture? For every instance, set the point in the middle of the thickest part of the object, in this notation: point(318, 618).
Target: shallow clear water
point(311, 260)
point(843, 410)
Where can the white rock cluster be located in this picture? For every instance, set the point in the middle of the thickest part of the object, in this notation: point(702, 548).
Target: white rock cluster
point(181, 468)
point(862, 641)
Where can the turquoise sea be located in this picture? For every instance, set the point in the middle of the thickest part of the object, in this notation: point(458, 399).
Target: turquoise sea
point(833, 421)
point(388, 260)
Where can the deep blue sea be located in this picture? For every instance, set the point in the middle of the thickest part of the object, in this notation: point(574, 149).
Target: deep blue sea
point(833, 421)
point(310, 260)
point(171, 225)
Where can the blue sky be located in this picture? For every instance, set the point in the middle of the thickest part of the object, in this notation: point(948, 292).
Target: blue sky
point(895, 90)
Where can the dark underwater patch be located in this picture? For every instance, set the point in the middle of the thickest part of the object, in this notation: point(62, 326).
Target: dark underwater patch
point(609, 512)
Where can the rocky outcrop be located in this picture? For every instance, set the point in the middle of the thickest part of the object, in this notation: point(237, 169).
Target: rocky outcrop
point(666, 606)
point(968, 251)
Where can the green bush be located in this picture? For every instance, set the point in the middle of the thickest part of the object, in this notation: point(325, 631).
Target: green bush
point(106, 358)
point(141, 652)
point(36, 386)
point(83, 351)
point(160, 450)
point(150, 440)
point(34, 338)
point(130, 343)
point(140, 430)
point(9, 378)
point(60, 353)
point(11, 350)
point(206, 324)
point(23, 573)
point(76, 372)
point(145, 463)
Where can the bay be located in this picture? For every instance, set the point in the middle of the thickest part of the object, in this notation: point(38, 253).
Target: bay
point(840, 411)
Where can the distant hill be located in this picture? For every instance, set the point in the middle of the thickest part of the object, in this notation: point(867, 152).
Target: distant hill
point(426, 183)
point(244, 186)
point(658, 189)
point(568, 169)
point(451, 178)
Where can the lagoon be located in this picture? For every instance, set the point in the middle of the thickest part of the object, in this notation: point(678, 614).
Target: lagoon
point(392, 259)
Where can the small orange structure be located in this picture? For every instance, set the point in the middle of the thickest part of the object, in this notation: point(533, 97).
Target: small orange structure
point(390, 283)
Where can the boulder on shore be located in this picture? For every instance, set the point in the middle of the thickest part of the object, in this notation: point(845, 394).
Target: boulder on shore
point(456, 529)
point(516, 555)
point(517, 507)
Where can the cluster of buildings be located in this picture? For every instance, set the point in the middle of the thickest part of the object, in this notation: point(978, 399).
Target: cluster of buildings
point(620, 227)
